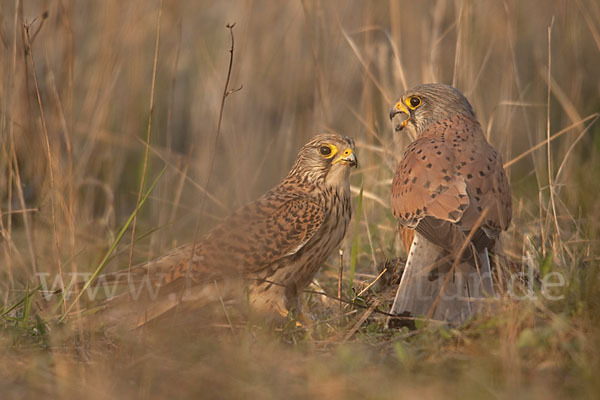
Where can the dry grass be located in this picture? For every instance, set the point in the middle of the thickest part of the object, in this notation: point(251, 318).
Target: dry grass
point(75, 116)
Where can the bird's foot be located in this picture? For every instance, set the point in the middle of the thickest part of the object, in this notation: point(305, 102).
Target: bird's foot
point(304, 320)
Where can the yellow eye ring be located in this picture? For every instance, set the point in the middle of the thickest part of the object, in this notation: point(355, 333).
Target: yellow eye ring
point(413, 102)
point(328, 150)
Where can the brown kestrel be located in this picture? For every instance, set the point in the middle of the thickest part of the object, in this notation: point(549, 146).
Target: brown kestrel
point(274, 245)
point(451, 189)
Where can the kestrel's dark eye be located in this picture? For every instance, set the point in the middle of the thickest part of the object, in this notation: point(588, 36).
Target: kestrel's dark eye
point(324, 150)
point(415, 102)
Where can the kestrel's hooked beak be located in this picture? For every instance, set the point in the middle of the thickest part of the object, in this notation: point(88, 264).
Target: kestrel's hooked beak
point(400, 108)
point(347, 157)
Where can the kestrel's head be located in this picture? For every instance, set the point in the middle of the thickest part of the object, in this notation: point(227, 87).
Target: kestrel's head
point(427, 104)
point(327, 157)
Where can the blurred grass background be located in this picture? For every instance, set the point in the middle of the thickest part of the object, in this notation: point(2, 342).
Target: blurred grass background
point(72, 161)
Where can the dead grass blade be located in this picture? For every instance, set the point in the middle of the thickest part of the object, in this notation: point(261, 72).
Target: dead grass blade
point(538, 146)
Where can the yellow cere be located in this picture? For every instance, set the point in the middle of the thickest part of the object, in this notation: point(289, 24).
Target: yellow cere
point(345, 154)
point(401, 107)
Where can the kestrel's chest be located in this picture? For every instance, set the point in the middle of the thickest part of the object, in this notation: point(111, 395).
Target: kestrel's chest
point(331, 233)
point(339, 218)
point(299, 269)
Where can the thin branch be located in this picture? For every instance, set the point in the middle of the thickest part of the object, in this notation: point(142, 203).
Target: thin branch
point(39, 28)
point(226, 92)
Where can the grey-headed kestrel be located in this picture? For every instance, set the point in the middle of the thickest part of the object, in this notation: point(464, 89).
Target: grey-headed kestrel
point(274, 245)
point(451, 189)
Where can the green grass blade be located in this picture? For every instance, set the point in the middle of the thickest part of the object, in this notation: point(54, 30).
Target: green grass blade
point(137, 239)
point(26, 307)
point(18, 303)
point(113, 246)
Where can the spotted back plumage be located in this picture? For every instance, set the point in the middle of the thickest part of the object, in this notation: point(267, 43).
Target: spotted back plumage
point(450, 174)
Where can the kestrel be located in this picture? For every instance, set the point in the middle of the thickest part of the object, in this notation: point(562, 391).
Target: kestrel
point(451, 189)
point(275, 245)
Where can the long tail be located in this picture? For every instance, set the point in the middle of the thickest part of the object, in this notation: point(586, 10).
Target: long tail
point(431, 287)
point(143, 293)
point(130, 310)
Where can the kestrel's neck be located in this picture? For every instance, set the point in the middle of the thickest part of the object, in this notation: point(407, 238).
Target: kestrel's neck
point(336, 180)
point(432, 129)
